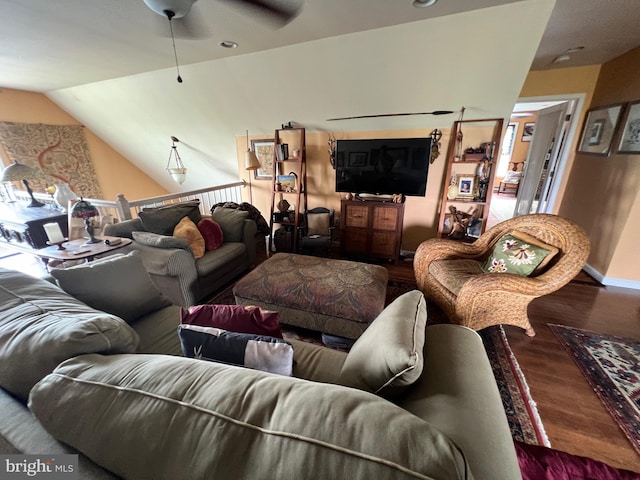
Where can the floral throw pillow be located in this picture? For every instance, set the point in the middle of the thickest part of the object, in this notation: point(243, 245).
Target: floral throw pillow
point(518, 253)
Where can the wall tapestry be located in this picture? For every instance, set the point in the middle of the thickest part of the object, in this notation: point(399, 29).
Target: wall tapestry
point(60, 152)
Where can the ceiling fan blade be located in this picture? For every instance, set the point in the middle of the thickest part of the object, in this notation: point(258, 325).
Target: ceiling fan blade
point(279, 12)
point(435, 112)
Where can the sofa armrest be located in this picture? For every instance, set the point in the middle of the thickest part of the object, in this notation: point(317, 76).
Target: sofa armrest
point(457, 393)
point(249, 232)
point(173, 271)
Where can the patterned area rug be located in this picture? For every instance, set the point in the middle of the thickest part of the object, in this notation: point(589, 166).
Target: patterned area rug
point(611, 365)
point(520, 408)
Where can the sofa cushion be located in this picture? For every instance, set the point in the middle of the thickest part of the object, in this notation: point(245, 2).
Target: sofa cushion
point(234, 318)
point(259, 352)
point(518, 253)
point(188, 231)
point(172, 415)
point(211, 232)
point(118, 284)
point(231, 221)
point(160, 241)
point(223, 259)
point(387, 357)
point(163, 219)
point(40, 326)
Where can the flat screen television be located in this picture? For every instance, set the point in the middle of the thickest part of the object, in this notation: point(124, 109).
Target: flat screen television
point(383, 166)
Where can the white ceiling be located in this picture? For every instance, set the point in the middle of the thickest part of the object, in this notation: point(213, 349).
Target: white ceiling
point(48, 45)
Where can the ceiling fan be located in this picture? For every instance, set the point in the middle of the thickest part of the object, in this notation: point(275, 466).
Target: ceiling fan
point(276, 12)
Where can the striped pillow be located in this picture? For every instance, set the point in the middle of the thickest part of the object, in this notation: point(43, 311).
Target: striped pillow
point(258, 352)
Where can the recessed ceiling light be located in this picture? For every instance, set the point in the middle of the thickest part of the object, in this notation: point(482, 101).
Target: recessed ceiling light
point(228, 44)
point(574, 49)
point(423, 3)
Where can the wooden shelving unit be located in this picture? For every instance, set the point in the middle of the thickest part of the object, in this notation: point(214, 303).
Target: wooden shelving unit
point(468, 182)
point(295, 163)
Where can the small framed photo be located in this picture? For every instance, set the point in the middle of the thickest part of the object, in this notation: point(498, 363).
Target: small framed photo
point(599, 128)
point(287, 183)
point(467, 186)
point(630, 139)
point(527, 131)
point(264, 151)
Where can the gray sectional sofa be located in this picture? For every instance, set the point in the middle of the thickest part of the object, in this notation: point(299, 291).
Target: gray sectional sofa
point(115, 390)
point(183, 278)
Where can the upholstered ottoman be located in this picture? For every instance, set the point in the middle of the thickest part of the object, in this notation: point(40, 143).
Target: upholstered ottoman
point(336, 297)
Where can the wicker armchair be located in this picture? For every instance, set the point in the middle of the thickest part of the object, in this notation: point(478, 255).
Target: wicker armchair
point(485, 299)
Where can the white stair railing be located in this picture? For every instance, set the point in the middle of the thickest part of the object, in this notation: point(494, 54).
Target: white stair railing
point(123, 209)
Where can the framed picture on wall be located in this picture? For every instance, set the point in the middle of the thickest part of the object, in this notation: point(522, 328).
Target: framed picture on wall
point(630, 139)
point(599, 128)
point(527, 131)
point(264, 151)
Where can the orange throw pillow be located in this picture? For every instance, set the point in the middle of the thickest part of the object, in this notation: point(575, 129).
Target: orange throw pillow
point(187, 230)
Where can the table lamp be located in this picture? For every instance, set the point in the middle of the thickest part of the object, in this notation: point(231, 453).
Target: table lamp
point(18, 171)
point(86, 211)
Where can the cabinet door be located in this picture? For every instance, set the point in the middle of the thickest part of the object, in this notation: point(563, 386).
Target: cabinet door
point(356, 216)
point(384, 244)
point(354, 241)
point(385, 218)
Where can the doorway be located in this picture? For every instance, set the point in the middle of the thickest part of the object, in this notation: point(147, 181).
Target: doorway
point(544, 167)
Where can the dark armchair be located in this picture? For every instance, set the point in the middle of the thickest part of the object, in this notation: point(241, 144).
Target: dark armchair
point(317, 230)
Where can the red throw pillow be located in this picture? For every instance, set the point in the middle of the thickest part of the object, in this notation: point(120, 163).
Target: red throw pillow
point(211, 232)
point(234, 318)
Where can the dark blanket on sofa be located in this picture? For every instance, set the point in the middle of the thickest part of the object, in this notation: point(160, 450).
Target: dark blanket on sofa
point(254, 214)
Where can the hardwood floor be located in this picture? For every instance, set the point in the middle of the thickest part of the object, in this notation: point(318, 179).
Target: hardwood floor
point(574, 418)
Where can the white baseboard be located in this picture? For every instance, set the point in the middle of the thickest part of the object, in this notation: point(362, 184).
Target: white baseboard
point(609, 281)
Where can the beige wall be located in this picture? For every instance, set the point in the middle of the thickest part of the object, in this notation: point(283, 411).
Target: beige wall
point(115, 173)
point(602, 193)
point(421, 213)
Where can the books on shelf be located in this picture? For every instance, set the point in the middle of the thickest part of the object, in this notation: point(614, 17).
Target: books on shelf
point(282, 151)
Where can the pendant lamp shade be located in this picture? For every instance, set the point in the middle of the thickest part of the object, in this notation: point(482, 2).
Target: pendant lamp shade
point(179, 172)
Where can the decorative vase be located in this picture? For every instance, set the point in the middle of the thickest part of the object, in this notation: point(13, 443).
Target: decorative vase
point(63, 195)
